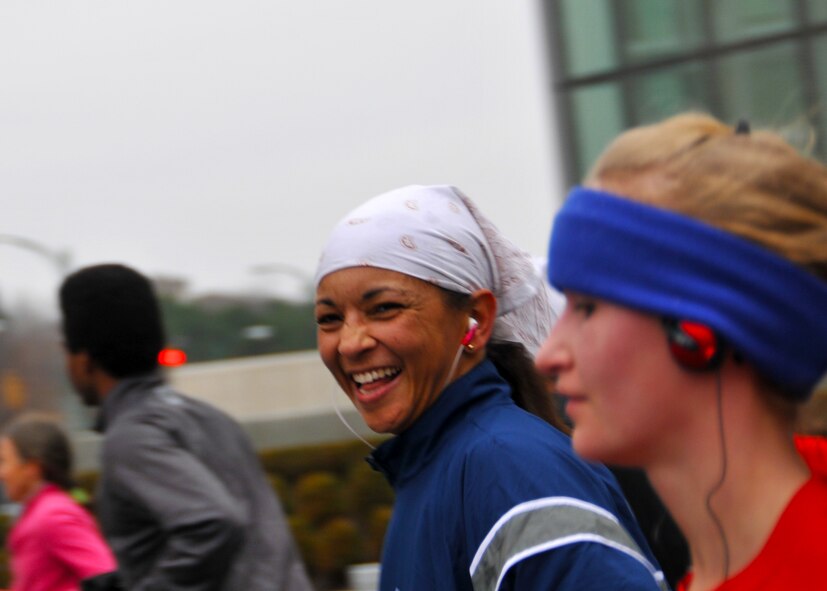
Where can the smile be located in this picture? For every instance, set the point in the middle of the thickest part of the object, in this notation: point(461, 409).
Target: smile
point(369, 377)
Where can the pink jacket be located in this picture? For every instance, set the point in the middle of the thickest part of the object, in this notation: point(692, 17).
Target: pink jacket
point(55, 544)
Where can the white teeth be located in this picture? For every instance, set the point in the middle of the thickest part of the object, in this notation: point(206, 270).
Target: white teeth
point(376, 374)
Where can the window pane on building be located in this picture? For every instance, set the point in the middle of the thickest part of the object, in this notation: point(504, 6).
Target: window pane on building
point(736, 20)
point(653, 28)
point(588, 36)
point(818, 112)
point(598, 118)
point(629, 62)
point(818, 10)
point(763, 85)
point(657, 95)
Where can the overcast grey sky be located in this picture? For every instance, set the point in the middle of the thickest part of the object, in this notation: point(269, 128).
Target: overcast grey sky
point(197, 139)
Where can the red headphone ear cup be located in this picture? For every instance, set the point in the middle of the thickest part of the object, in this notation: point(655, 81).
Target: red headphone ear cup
point(694, 346)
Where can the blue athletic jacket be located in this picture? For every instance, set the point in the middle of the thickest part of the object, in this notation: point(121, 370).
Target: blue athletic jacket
point(491, 497)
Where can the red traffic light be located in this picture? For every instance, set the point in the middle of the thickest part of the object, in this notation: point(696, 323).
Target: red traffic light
point(172, 357)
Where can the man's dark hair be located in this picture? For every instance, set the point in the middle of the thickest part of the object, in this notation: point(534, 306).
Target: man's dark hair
point(111, 312)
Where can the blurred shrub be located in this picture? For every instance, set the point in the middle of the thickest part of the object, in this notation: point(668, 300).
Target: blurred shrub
point(282, 490)
point(305, 536)
point(292, 463)
point(5, 567)
point(338, 506)
point(365, 490)
point(214, 327)
point(377, 525)
point(88, 481)
point(337, 544)
point(317, 497)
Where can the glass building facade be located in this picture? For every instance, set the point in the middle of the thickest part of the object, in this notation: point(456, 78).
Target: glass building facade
point(621, 63)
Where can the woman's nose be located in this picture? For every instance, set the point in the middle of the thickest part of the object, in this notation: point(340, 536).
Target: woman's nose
point(355, 339)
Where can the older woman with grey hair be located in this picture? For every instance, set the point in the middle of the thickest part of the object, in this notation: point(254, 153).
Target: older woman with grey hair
point(428, 318)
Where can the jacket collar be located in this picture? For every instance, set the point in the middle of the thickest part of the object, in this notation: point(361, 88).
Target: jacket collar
point(813, 448)
point(403, 456)
point(122, 397)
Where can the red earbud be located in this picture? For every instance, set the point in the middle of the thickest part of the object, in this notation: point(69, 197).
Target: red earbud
point(472, 330)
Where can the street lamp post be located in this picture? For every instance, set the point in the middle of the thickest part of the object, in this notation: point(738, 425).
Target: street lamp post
point(59, 259)
point(13, 384)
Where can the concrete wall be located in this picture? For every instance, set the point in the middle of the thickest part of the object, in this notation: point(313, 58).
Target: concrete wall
point(247, 388)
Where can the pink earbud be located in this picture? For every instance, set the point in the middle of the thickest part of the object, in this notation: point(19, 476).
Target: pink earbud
point(472, 330)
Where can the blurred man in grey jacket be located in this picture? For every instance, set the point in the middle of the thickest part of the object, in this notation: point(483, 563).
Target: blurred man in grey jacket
point(183, 499)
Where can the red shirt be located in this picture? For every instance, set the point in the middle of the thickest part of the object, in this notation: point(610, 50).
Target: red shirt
point(55, 544)
point(795, 555)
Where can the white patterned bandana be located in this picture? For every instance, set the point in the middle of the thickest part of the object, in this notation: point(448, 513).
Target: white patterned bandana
point(438, 235)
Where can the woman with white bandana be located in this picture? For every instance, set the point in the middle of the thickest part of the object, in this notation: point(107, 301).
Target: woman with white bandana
point(427, 318)
point(694, 260)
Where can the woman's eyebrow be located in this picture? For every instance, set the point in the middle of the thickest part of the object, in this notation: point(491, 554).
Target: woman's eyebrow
point(366, 296)
point(378, 291)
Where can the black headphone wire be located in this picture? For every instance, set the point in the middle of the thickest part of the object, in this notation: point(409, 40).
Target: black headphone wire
point(724, 467)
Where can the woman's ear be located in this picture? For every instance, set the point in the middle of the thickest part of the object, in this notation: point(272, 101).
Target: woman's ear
point(484, 311)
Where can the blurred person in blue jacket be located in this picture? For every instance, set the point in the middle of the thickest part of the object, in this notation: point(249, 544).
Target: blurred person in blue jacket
point(183, 499)
point(427, 318)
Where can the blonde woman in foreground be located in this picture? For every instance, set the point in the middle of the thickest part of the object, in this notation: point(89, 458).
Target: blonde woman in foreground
point(694, 260)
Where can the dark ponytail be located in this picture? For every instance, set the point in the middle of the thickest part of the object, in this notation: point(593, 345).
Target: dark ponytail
point(529, 389)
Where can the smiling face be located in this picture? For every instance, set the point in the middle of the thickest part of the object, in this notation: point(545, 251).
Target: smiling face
point(390, 341)
point(626, 396)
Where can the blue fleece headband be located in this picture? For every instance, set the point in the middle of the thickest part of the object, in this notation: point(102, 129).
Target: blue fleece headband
point(771, 311)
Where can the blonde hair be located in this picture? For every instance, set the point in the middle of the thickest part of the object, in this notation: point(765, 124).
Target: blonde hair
point(754, 185)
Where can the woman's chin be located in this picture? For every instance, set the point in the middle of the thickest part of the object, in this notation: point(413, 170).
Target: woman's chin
point(586, 446)
point(598, 449)
point(382, 424)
